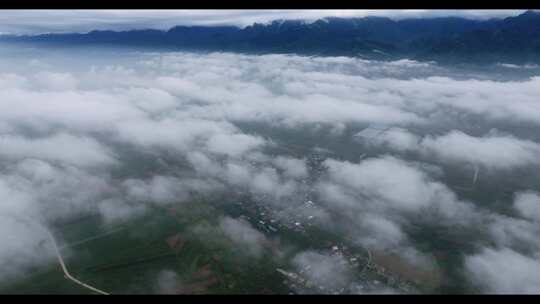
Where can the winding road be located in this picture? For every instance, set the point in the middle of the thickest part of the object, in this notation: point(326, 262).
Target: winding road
point(67, 275)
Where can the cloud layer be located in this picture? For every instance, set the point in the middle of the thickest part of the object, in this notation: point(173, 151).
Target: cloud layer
point(117, 134)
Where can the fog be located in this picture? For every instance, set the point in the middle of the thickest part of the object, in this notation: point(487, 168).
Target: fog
point(115, 132)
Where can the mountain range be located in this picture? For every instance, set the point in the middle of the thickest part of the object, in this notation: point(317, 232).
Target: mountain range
point(513, 39)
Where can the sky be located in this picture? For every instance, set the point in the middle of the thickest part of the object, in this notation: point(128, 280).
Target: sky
point(46, 21)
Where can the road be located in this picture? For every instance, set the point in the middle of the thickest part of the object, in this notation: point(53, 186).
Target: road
point(67, 275)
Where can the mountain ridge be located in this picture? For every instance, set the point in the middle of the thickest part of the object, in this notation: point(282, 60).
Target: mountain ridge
point(513, 39)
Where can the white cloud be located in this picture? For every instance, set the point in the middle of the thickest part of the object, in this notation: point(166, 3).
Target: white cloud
point(60, 139)
point(75, 110)
point(63, 148)
point(492, 151)
point(390, 181)
point(55, 81)
point(159, 189)
point(233, 145)
point(56, 191)
point(395, 138)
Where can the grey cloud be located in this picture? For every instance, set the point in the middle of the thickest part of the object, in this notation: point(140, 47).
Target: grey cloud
point(114, 209)
point(512, 232)
point(382, 233)
point(505, 271)
point(292, 167)
point(324, 269)
point(528, 204)
point(243, 235)
point(20, 242)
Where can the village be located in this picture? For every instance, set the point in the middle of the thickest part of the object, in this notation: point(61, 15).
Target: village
point(370, 275)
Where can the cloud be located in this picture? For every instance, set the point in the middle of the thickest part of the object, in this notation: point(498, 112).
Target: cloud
point(294, 168)
point(113, 139)
point(13, 199)
point(161, 189)
point(49, 192)
point(392, 182)
point(492, 151)
point(512, 232)
point(56, 81)
point(233, 145)
point(528, 205)
point(382, 233)
point(75, 110)
point(114, 210)
point(20, 243)
point(327, 270)
point(378, 199)
point(505, 271)
point(243, 235)
point(33, 193)
point(395, 138)
point(63, 148)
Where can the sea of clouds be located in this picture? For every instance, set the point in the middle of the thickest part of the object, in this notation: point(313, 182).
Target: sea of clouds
point(112, 132)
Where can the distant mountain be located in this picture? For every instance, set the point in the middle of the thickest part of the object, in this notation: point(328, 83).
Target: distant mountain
point(513, 39)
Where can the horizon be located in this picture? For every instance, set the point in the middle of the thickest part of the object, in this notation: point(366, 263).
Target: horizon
point(31, 22)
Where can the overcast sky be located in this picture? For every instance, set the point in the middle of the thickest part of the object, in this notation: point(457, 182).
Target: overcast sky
point(42, 21)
